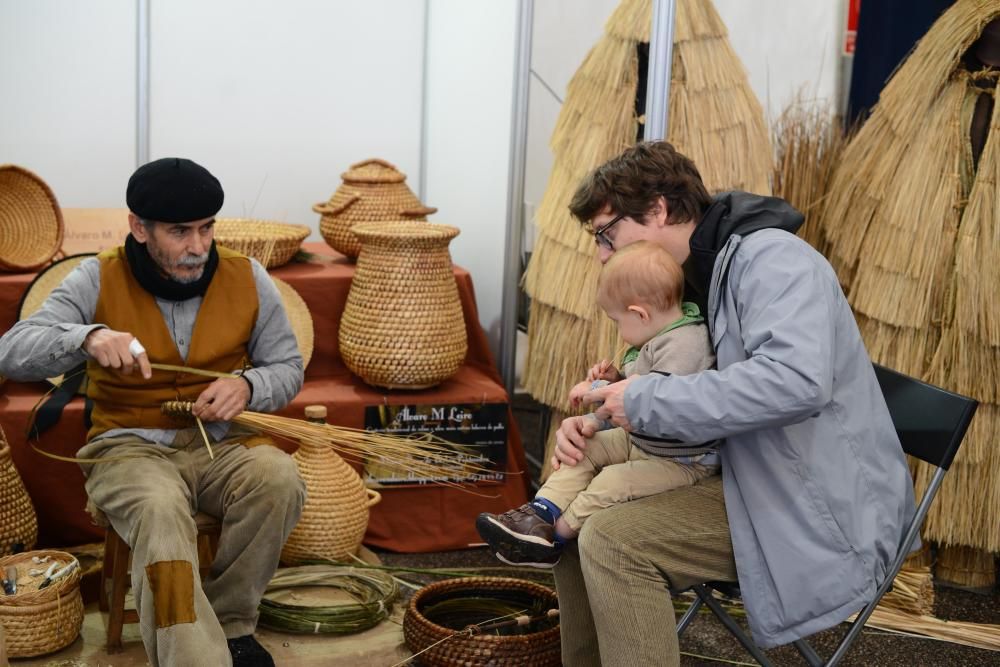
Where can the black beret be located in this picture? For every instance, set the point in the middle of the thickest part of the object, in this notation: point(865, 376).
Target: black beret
point(173, 189)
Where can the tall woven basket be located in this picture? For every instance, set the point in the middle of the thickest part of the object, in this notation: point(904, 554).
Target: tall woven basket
point(31, 222)
point(448, 646)
point(38, 621)
point(18, 523)
point(373, 191)
point(335, 516)
point(403, 326)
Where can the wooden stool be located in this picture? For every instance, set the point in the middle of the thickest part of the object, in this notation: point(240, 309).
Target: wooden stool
point(115, 579)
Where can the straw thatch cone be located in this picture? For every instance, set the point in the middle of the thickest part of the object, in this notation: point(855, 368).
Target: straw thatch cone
point(964, 567)
point(403, 325)
point(912, 227)
point(335, 516)
point(373, 191)
point(18, 523)
point(714, 119)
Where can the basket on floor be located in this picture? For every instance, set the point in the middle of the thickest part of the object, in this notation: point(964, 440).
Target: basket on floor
point(335, 516)
point(273, 244)
point(403, 325)
point(18, 523)
point(438, 616)
point(372, 191)
point(39, 621)
point(31, 222)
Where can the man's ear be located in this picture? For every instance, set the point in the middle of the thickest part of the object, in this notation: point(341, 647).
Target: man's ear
point(138, 229)
point(640, 311)
point(659, 212)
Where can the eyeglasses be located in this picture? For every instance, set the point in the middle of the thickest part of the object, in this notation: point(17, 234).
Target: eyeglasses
point(601, 233)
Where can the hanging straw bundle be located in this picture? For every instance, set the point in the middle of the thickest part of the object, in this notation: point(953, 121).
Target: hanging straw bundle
point(808, 141)
point(915, 238)
point(714, 119)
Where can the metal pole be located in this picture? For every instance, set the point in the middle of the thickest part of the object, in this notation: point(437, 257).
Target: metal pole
point(661, 55)
point(515, 196)
point(142, 84)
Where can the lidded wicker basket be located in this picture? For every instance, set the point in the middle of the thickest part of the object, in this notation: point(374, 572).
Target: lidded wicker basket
point(335, 516)
point(31, 222)
point(373, 191)
point(18, 523)
point(39, 621)
point(403, 326)
point(450, 647)
point(271, 243)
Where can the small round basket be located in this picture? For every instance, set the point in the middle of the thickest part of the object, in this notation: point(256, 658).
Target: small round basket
point(39, 621)
point(441, 614)
point(273, 244)
point(31, 222)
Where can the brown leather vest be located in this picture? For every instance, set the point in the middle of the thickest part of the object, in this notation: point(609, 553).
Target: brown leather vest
point(222, 330)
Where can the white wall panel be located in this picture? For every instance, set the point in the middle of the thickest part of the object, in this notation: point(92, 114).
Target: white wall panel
point(277, 99)
point(469, 97)
point(67, 95)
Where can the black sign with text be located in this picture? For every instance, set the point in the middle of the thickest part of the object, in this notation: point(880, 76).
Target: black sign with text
point(479, 427)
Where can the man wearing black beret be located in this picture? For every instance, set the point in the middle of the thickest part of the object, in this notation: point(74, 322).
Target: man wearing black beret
point(170, 296)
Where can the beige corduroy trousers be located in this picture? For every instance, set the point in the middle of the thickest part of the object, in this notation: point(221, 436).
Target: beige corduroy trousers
point(151, 500)
point(615, 607)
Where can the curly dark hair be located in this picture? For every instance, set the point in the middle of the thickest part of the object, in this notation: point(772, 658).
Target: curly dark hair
point(631, 182)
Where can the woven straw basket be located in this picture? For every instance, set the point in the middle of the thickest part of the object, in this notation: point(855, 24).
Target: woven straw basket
point(18, 523)
point(403, 326)
point(273, 244)
point(31, 222)
point(41, 621)
point(373, 191)
point(335, 516)
point(457, 649)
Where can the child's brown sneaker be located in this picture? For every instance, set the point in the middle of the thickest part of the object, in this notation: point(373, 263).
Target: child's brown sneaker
point(520, 537)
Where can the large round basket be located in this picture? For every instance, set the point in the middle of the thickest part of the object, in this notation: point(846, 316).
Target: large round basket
point(403, 326)
point(372, 191)
point(450, 645)
point(31, 222)
point(39, 621)
point(273, 244)
point(18, 523)
point(335, 516)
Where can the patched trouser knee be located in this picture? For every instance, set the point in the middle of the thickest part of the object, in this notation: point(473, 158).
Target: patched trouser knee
point(171, 583)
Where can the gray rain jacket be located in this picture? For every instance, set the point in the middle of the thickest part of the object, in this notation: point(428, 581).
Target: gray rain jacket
point(816, 485)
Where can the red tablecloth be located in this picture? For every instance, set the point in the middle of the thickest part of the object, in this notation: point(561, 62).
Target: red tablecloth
point(421, 518)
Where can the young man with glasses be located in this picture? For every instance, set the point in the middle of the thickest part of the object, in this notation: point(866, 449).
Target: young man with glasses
point(814, 490)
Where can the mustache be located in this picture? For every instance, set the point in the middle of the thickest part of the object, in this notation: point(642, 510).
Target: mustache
point(193, 260)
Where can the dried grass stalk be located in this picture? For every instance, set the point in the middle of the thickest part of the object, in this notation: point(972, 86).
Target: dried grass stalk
point(966, 567)
point(979, 635)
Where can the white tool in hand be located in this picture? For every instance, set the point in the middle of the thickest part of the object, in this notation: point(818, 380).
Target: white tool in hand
point(136, 348)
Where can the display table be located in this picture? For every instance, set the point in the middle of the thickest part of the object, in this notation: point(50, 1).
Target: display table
point(409, 518)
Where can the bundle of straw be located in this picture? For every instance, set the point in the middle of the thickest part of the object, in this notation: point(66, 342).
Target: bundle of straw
point(808, 140)
point(913, 232)
point(372, 594)
point(426, 455)
point(714, 119)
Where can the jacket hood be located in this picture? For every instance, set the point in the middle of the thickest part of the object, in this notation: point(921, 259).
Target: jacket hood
point(732, 213)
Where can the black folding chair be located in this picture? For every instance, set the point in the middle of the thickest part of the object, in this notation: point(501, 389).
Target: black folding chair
point(931, 423)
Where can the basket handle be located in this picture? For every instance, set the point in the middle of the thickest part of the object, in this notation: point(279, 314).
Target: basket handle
point(418, 212)
point(324, 207)
point(374, 497)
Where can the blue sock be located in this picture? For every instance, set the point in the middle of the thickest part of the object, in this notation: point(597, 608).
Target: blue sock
point(546, 509)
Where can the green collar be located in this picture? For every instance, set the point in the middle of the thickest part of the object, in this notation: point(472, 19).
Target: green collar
point(689, 315)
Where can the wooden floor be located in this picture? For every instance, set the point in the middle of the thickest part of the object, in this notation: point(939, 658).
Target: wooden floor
point(381, 646)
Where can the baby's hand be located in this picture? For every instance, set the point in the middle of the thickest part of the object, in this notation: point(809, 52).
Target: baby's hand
point(577, 392)
point(604, 370)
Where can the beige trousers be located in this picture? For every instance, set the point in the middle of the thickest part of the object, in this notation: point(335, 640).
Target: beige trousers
point(151, 500)
point(612, 472)
point(615, 607)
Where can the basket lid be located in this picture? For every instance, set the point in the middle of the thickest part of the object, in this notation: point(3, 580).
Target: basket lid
point(373, 170)
point(31, 222)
